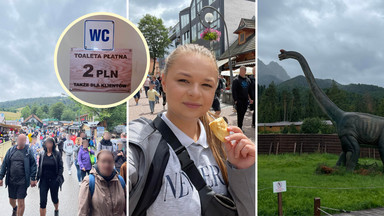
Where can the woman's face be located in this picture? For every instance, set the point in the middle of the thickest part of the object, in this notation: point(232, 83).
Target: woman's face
point(105, 163)
point(85, 144)
point(190, 84)
point(49, 145)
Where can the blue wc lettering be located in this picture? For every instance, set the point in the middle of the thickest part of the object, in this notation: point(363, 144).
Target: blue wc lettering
point(96, 34)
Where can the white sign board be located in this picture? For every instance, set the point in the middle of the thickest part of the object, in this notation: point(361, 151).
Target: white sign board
point(279, 186)
point(99, 34)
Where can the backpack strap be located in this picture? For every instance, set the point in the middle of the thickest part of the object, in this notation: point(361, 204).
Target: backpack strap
point(187, 164)
point(92, 184)
point(122, 182)
point(154, 179)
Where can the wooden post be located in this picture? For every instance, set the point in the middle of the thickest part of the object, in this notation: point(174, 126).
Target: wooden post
point(294, 148)
point(325, 148)
point(369, 152)
point(277, 148)
point(316, 211)
point(280, 203)
point(318, 148)
point(270, 148)
point(301, 148)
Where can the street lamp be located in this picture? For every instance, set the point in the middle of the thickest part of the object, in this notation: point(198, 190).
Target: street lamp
point(209, 19)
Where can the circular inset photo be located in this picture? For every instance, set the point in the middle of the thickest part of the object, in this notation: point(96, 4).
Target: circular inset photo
point(101, 60)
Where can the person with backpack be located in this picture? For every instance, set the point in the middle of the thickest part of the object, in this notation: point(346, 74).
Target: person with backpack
point(50, 175)
point(102, 193)
point(119, 155)
point(177, 166)
point(84, 158)
point(105, 143)
point(19, 167)
point(69, 146)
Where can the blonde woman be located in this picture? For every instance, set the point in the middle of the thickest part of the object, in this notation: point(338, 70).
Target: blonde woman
point(225, 169)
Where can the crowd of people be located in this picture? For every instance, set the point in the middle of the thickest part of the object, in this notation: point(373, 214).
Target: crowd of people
point(36, 159)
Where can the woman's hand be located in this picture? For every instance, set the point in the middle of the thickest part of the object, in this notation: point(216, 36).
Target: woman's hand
point(242, 152)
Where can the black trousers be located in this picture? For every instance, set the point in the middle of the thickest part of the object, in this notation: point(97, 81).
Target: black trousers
point(241, 108)
point(48, 185)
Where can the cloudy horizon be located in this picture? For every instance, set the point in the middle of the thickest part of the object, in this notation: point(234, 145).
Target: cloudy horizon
point(29, 34)
point(341, 40)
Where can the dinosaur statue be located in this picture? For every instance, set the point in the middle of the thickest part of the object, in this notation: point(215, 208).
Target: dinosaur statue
point(354, 129)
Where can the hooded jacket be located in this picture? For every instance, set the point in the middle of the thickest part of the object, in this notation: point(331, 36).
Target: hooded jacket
point(84, 159)
point(109, 198)
point(59, 166)
point(143, 142)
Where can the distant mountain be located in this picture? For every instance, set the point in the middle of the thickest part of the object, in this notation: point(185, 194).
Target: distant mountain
point(300, 82)
point(14, 104)
point(271, 72)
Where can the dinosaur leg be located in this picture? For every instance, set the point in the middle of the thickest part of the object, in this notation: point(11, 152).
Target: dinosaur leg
point(351, 148)
point(341, 161)
point(381, 149)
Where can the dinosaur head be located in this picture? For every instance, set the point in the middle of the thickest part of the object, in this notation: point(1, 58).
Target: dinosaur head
point(288, 54)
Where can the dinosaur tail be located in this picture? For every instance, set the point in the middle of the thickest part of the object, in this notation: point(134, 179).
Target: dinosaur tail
point(331, 109)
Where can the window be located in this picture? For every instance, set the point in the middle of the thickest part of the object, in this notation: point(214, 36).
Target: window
point(210, 2)
point(184, 20)
point(193, 10)
point(199, 5)
point(241, 37)
point(194, 33)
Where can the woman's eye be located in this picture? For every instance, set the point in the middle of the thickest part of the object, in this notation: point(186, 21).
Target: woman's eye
point(208, 85)
point(183, 80)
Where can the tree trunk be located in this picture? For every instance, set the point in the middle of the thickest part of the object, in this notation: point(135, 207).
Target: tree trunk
point(154, 65)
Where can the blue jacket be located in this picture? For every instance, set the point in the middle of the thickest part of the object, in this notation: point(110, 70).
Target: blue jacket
point(29, 165)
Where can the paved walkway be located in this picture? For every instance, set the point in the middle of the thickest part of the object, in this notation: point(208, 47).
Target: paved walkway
point(68, 197)
point(368, 212)
point(142, 110)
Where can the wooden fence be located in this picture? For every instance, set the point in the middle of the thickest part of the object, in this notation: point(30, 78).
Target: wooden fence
point(306, 143)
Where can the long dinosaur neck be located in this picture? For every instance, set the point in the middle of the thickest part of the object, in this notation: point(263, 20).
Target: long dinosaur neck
point(331, 109)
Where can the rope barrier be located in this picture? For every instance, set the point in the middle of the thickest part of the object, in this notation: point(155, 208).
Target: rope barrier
point(327, 188)
point(324, 211)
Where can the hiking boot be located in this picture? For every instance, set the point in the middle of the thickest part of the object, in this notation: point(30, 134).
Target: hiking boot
point(56, 212)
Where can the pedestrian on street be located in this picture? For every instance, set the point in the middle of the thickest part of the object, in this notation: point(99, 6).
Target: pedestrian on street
point(102, 193)
point(50, 175)
point(69, 146)
point(35, 147)
point(156, 86)
point(78, 144)
point(105, 143)
point(253, 90)
point(222, 170)
point(20, 175)
point(146, 85)
point(137, 97)
point(120, 156)
point(162, 93)
point(84, 159)
point(242, 95)
point(152, 93)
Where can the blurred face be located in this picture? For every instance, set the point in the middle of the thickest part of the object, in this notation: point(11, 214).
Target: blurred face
point(242, 72)
point(190, 86)
point(85, 144)
point(21, 140)
point(105, 163)
point(107, 136)
point(49, 145)
point(79, 141)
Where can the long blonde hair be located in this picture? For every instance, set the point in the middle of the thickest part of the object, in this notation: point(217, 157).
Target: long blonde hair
point(214, 143)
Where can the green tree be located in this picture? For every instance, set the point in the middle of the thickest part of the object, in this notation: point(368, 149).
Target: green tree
point(296, 105)
point(45, 108)
point(25, 112)
point(156, 35)
point(57, 110)
point(311, 125)
point(268, 108)
point(34, 109)
point(40, 113)
point(68, 115)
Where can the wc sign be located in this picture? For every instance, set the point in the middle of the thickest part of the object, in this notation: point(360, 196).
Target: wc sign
point(99, 34)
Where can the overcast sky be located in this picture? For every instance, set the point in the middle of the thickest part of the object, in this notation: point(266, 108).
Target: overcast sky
point(29, 31)
point(341, 40)
point(168, 10)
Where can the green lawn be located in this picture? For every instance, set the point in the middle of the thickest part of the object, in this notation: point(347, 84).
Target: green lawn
point(301, 171)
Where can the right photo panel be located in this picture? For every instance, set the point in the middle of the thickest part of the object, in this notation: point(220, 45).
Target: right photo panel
point(192, 122)
point(320, 108)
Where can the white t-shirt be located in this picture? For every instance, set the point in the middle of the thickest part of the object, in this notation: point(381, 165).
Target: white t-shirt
point(177, 195)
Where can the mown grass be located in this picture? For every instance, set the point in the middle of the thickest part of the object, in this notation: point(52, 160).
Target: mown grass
point(300, 170)
point(11, 115)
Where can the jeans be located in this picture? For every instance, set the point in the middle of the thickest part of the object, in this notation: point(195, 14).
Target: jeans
point(69, 161)
point(84, 173)
point(152, 106)
point(78, 171)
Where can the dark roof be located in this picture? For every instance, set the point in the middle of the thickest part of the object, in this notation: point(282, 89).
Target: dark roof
point(236, 49)
point(245, 24)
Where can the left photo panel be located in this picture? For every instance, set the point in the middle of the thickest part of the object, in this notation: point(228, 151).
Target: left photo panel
point(67, 71)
